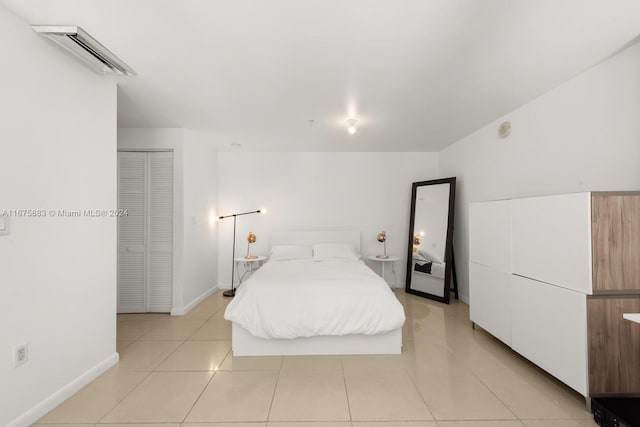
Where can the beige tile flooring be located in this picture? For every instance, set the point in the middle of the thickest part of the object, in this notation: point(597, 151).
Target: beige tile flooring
point(177, 371)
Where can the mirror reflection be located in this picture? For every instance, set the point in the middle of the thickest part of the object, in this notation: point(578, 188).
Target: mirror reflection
point(430, 248)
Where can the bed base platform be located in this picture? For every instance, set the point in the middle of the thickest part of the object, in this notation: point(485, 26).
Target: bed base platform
point(245, 344)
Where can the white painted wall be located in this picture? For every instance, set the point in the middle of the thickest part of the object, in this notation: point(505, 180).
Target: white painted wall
point(582, 136)
point(57, 275)
point(195, 195)
point(200, 269)
point(369, 192)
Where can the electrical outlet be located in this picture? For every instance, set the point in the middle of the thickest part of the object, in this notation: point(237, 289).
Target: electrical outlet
point(20, 354)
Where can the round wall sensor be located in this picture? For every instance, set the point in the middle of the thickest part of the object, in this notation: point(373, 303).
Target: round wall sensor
point(505, 129)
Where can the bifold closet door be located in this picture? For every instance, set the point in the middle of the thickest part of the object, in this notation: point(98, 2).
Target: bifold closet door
point(145, 233)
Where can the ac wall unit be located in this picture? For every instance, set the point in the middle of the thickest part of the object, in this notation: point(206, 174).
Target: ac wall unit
point(77, 41)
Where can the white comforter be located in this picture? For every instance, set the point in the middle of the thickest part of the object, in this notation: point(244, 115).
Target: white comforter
point(306, 298)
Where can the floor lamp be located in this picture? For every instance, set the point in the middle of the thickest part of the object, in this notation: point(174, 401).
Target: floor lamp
point(232, 292)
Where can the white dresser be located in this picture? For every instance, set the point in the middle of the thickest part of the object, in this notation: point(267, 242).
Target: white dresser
point(531, 277)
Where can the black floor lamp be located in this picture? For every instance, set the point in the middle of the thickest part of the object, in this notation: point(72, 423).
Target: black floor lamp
point(232, 292)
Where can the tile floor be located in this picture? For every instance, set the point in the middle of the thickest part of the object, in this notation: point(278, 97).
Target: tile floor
point(179, 371)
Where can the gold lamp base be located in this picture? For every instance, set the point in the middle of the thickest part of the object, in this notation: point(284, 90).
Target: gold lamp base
point(250, 257)
point(382, 256)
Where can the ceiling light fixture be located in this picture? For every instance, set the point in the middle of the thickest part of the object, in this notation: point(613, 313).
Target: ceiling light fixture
point(77, 41)
point(352, 126)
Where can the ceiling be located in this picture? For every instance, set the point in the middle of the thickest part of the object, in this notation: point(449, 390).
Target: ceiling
point(417, 74)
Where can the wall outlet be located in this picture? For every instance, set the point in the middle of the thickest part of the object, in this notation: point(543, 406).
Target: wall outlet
point(20, 354)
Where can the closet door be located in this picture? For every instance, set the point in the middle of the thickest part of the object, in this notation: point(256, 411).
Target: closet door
point(145, 234)
point(132, 172)
point(160, 233)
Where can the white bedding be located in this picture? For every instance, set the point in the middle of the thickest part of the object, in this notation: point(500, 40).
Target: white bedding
point(308, 298)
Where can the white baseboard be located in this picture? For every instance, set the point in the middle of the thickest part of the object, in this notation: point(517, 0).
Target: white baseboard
point(187, 308)
point(65, 392)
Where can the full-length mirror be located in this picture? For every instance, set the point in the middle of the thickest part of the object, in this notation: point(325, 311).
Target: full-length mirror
point(430, 251)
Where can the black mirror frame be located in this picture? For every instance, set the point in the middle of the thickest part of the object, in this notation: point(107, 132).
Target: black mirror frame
point(448, 253)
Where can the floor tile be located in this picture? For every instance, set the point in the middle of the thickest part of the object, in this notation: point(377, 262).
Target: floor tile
point(236, 396)
point(309, 424)
point(61, 425)
point(456, 394)
point(205, 310)
point(224, 425)
point(531, 396)
point(304, 363)
point(372, 362)
point(493, 423)
point(178, 329)
point(197, 356)
point(131, 331)
point(121, 345)
point(384, 396)
point(560, 423)
point(394, 424)
point(213, 329)
point(162, 397)
point(251, 363)
point(220, 313)
point(424, 355)
point(146, 355)
point(140, 425)
point(310, 395)
point(93, 401)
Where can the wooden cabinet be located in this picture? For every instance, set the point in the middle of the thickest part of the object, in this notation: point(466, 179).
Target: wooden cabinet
point(614, 346)
point(551, 276)
point(616, 242)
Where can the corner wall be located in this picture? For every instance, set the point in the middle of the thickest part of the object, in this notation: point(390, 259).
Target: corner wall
point(582, 136)
point(58, 284)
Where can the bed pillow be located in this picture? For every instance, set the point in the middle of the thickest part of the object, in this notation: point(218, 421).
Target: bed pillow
point(334, 251)
point(430, 256)
point(290, 252)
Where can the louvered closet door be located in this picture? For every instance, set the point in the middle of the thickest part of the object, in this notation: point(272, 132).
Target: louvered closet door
point(145, 234)
point(160, 232)
point(132, 171)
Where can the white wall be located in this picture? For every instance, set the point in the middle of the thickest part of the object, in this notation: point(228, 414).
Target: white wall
point(200, 269)
point(57, 275)
point(582, 136)
point(369, 192)
point(195, 200)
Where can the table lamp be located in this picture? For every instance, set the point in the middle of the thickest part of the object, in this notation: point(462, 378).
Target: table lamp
point(251, 238)
point(382, 238)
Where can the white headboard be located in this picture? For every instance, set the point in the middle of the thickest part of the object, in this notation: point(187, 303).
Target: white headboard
point(311, 237)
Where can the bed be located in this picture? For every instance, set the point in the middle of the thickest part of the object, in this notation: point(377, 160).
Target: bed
point(315, 302)
point(427, 274)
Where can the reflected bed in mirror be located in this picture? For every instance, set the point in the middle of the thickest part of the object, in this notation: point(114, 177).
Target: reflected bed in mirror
point(430, 249)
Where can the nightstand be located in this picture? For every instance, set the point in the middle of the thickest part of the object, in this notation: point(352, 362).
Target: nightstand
point(391, 259)
point(250, 265)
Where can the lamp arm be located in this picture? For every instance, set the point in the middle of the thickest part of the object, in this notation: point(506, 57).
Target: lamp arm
point(239, 214)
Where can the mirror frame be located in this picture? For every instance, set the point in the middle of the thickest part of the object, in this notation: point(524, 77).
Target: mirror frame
point(448, 252)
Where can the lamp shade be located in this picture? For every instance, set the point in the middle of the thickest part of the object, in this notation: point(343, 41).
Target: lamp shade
point(251, 237)
point(382, 237)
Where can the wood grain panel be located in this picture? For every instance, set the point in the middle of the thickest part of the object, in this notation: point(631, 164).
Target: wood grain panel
point(616, 241)
point(614, 345)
